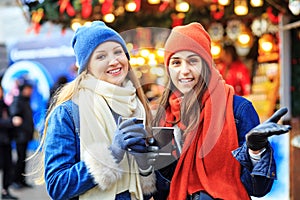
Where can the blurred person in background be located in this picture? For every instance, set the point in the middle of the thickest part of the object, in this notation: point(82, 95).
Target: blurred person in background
point(234, 71)
point(24, 133)
point(59, 83)
point(6, 137)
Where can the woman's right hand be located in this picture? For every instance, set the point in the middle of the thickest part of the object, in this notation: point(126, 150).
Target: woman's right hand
point(129, 136)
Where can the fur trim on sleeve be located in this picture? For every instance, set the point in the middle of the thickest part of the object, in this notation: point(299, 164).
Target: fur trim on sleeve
point(101, 165)
point(148, 183)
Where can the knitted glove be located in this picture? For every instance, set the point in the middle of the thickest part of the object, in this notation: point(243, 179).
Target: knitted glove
point(146, 159)
point(128, 136)
point(257, 138)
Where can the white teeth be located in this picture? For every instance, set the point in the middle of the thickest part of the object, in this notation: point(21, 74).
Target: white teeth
point(115, 71)
point(185, 80)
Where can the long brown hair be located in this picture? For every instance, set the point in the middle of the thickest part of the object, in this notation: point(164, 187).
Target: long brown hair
point(191, 105)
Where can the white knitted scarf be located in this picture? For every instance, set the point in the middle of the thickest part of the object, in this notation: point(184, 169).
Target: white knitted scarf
point(97, 127)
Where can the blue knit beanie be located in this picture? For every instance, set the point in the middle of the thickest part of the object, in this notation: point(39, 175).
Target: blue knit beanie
point(87, 38)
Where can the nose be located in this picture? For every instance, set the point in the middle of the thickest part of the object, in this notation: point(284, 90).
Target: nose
point(185, 67)
point(113, 60)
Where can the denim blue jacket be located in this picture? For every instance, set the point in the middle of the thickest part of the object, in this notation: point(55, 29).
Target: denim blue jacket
point(258, 180)
point(66, 176)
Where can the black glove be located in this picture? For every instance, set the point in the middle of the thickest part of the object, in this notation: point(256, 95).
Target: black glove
point(257, 138)
point(145, 160)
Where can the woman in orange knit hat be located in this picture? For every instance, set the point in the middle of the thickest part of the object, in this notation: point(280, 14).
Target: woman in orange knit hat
point(223, 151)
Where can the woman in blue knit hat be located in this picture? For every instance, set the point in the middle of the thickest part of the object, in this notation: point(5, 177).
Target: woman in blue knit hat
point(90, 151)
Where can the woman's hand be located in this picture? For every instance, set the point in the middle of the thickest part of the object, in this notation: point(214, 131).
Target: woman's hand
point(257, 138)
point(129, 136)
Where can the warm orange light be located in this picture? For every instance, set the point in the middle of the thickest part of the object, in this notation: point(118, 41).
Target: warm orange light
point(245, 38)
point(240, 7)
point(267, 46)
point(144, 52)
point(130, 6)
point(153, 1)
point(109, 18)
point(224, 2)
point(182, 6)
point(256, 3)
point(215, 50)
point(266, 43)
point(75, 25)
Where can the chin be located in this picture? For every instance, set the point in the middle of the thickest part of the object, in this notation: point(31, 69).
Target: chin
point(185, 90)
point(119, 82)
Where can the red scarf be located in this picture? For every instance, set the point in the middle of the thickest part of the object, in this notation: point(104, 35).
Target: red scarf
point(206, 163)
point(173, 111)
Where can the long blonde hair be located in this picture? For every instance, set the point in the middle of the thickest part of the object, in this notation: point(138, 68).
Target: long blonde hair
point(66, 93)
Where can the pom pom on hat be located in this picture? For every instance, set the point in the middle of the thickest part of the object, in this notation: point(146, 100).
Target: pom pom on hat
point(192, 37)
point(87, 38)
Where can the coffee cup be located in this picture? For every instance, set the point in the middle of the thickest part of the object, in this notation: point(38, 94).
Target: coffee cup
point(164, 139)
point(138, 120)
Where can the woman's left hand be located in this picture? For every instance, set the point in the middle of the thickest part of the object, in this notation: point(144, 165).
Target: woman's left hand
point(257, 138)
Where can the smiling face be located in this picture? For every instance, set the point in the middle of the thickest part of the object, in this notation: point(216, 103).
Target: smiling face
point(109, 63)
point(185, 69)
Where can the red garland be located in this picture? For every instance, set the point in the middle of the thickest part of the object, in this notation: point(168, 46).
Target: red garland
point(138, 5)
point(65, 5)
point(86, 9)
point(35, 20)
point(273, 18)
point(163, 6)
point(107, 7)
point(176, 20)
point(217, 11)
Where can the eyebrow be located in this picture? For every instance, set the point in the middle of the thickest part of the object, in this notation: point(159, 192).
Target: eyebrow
point(119, 46)
point(116, 47)
point(187, 57)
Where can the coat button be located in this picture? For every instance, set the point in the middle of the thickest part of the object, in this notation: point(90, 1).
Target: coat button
point(273, 173)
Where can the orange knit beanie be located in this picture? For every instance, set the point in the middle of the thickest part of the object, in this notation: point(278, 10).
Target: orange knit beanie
point(192, 37)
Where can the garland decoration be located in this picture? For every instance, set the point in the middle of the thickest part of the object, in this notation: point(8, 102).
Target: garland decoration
point(63, 12)
point(66, 6)
point(86, 8)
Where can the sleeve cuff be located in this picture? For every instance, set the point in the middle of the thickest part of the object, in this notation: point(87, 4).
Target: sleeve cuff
point(255, 158)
